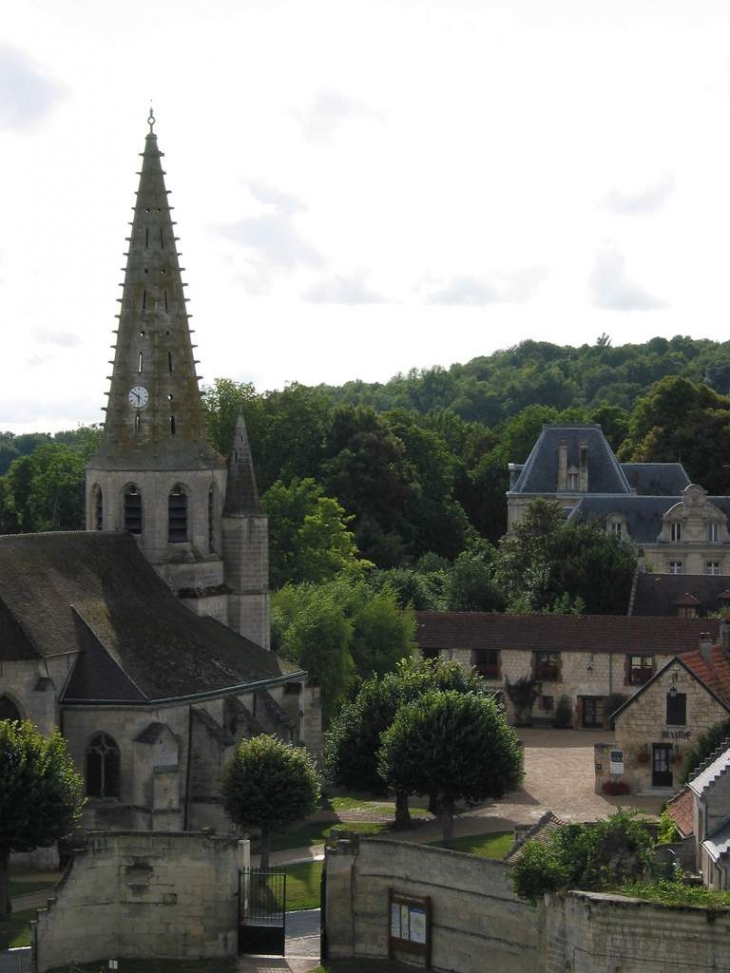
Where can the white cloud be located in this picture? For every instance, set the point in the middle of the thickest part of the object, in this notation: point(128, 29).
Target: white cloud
point(613, 289)
point(27, 96)
point(63, 338)
point(642, 202)
point(327, 112)
point(496, 288)
point(343, 290)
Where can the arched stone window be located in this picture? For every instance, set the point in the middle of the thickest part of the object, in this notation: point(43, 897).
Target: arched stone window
point(97, 505)
point(8, 709)
point(617, 525)
point(177, 515)
point(133, 510)
point(102, 767)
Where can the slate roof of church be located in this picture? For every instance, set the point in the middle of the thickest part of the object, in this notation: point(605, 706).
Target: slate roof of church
point(556, 633)
point(94, 593)
point(540, 472)
point(659, 594)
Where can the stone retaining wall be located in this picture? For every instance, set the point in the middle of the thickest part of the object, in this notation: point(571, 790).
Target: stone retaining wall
point(143, 895)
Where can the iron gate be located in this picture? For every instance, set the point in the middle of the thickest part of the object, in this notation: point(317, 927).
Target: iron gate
point(262, 911)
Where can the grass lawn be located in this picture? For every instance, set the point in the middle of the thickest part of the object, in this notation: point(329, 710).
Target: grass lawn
point(14, 930)
point(315, 832)
point(493, 845)
point(302, 886)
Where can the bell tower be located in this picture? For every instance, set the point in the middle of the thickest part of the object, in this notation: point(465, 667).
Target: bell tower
point(155, 474)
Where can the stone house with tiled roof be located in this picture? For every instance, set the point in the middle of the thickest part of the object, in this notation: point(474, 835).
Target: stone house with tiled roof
point(145, 638)
point(677, 527)
point(589, 659)
point(663, 719)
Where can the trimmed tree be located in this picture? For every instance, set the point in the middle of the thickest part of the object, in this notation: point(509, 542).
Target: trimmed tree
point(353, 742)
point(268, 784)
point(41, 795)
point(452, 747)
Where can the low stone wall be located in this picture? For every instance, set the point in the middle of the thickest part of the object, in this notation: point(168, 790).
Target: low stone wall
point(477, 921)
point(605, 934)
point(144, 894)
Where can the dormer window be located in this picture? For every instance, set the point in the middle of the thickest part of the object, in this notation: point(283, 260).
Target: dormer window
point(713, 533)
point(675, 531)
point(573, 480)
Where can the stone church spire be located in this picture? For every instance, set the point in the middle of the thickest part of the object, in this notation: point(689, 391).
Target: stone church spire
point(154, 418)
point(242, 495)
point(155, 475)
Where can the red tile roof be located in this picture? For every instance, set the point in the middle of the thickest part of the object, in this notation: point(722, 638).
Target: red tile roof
point(715, 674)
point(681, 809)
point(567, 633)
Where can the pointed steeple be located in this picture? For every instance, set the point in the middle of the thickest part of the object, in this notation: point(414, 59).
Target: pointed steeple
point(155, 417)
point(242, 496)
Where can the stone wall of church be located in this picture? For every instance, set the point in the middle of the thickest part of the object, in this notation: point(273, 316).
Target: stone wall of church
point(144, 895)
point(32, 686)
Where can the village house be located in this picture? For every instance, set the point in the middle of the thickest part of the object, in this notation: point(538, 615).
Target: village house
point(593, 661)
point(677, 527)
point(145, 638)
point(662, 720)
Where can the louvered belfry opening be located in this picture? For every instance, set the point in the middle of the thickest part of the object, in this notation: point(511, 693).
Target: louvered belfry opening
point(133, 510)
point(177, 515)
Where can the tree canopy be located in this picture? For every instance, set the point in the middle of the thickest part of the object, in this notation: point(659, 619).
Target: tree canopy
point(268, 784)
point(454, 747)
point(41, 795)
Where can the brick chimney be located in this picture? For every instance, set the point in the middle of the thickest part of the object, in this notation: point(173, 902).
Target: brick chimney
point(706, 647)
point(562, 465)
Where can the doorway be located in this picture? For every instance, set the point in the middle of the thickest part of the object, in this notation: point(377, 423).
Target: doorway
point(661, 769)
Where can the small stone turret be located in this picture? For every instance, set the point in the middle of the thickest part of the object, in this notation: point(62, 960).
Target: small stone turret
point(245, 529)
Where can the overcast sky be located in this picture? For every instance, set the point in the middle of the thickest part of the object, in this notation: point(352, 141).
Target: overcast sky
point(361, 186)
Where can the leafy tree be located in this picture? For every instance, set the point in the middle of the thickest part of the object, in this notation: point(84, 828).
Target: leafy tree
point(353, 742)
point(308, 535)
point(269, 784)
point(310, 628)
point(470, 584)
point(47, 488)
point(453, 747)
point(548, 565)
point(41, 795)
point(412, 588)
point(223, 402)
point(704, 746)
point(601, 855)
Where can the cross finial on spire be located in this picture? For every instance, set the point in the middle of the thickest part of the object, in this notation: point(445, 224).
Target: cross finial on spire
point(151, 121)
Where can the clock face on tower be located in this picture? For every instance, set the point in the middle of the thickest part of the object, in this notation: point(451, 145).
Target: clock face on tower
point(138, 397)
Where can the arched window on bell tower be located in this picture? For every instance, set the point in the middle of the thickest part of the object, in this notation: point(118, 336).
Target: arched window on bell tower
point(133, 510)
point(177, 515)
point(97, 501)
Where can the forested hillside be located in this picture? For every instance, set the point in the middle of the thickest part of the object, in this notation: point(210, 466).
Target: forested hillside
point(418, 466)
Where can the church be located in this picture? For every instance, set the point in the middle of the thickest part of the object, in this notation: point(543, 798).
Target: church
point(145, 638)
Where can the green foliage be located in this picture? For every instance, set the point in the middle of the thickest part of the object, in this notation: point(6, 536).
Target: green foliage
point(522, 693)
point(547, 564)
point(706, 743)
point(308, 535)
point(341, 631)
point(352, 744)
point(597, 856)
point(677, 893)
point(268, 784)
point(41, 795)
point(668, 831)
point(452, 746)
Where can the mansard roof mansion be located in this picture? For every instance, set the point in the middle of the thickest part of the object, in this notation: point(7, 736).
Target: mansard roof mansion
point(677, 527)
